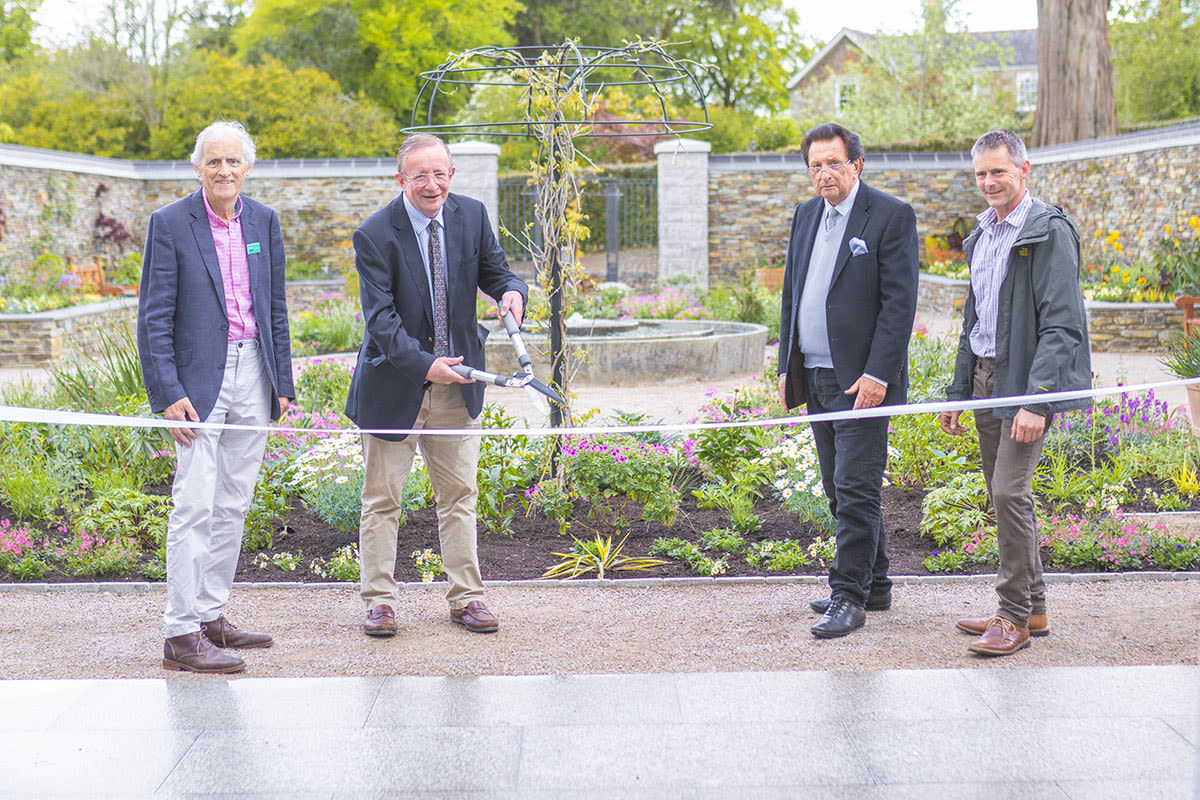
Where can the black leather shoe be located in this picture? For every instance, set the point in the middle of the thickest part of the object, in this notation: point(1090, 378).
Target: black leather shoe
point(839, 619)
point(875, 602)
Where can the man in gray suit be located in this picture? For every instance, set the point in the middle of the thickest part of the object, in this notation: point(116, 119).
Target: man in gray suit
point(214, 345)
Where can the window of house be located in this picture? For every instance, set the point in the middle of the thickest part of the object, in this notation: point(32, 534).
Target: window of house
point(1027, 91)
point(844, 94)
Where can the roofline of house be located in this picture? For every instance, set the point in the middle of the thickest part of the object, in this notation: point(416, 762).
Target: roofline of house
point(855, 38)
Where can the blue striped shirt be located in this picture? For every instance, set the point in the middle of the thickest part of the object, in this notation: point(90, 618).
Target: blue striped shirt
point(989, 265)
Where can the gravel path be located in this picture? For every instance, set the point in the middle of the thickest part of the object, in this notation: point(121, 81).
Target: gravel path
point(575, 630)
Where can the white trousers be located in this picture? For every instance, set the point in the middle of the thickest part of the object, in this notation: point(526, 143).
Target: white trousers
point(214, 484)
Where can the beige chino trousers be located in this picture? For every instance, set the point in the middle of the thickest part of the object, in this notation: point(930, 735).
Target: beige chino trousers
point(452, 462)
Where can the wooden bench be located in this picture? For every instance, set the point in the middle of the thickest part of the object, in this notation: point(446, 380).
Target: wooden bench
point(1191, 322)
point(92, 276)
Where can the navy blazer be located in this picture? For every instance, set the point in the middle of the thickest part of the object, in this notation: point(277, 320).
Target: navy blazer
point(397, 351)
point(872, 298)
point(182, 324)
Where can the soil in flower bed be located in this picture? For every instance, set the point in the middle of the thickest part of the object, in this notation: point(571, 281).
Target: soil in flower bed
point(528, 552)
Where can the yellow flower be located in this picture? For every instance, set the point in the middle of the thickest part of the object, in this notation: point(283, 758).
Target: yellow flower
point(1167, 228)
point(1117, 247)
point(1194, 221)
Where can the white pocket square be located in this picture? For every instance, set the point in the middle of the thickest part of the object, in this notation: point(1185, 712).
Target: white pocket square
point(857, 246)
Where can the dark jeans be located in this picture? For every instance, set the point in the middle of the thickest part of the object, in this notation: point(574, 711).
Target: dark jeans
point(852, 454)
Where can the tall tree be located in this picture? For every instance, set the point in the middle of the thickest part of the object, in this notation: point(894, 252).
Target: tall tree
point(1156, 62)
point(1075, 77)
point(745, 54)
point(376, 47)
point(16, 29)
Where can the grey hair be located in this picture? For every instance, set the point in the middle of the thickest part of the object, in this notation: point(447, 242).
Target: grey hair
point(1001, 137)
point(219, 130)
point(420, 141)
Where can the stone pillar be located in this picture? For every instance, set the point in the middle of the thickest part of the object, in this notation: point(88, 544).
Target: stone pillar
point(683, 209)
point(476, 168)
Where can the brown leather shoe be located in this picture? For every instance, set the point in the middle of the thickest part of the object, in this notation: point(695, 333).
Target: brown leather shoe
point(381, 621)
point(977, 625)
point(224, 633)
point(474, 616)
point(1001, 638)
point(192, 652)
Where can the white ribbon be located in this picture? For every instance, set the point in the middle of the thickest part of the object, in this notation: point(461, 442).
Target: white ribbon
point(54, 417)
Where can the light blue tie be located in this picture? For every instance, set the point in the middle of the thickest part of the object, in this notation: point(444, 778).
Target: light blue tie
point(831, 220)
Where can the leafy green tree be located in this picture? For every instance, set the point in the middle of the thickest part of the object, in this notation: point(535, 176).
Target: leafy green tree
point(16, 29)
point(374, 48)
point(1156, 59)
point(744, 56)
point(923, 87)
point(291, 114)
point(59, 105)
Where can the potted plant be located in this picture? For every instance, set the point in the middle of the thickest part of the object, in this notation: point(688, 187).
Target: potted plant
point(1183, 361)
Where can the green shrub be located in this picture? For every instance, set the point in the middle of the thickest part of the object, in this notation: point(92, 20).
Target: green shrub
point(323, 384)
point(334, 325)
point(945, 561)
point(127, 514)
point(689, 553)
point(951, 512)
point(778, 555)
point(343, 565)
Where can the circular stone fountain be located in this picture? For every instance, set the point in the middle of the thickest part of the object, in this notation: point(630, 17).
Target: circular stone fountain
point(647, 351)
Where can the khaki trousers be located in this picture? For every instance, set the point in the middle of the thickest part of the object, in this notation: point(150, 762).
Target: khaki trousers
point(1008, 467)
point(452, 462)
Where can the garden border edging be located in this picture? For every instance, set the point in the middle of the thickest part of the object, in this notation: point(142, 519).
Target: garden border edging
point(141, 587)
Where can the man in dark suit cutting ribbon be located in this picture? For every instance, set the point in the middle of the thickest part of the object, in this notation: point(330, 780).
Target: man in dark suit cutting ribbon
point(421, 260)
point(849, 300)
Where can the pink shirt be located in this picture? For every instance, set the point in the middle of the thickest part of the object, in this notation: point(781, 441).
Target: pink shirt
point(235, 272)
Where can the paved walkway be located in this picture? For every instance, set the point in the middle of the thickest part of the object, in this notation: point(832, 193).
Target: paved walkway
point(1127, 732)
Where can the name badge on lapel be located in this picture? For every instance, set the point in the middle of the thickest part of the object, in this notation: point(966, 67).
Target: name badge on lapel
point(253, 248)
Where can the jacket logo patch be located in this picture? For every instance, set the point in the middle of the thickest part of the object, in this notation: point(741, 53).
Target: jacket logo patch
point(1024, 251)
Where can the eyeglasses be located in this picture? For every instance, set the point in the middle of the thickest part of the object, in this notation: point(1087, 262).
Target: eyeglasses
point(833, 168)
point(422, 178)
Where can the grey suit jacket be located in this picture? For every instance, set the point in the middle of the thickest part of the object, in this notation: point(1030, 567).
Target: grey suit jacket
point(182, 325)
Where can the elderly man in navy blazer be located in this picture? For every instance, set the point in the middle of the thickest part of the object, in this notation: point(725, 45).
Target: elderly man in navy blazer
point(214, 345)
point(849, 300)
point(421, 260)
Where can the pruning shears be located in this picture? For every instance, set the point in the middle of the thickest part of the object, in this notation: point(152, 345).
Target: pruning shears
point(523, 379)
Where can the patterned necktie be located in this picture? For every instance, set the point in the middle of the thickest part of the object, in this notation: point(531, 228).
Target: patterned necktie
point(437, 268)
point(831, 220)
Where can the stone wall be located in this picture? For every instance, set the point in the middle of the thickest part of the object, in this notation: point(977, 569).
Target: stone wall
point(1112, 327)
point(48, 337)
point(752, 199)
point(50, 200)
point(1145, 179)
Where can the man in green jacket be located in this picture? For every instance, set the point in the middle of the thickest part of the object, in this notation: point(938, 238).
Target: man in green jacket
point(1024, 333)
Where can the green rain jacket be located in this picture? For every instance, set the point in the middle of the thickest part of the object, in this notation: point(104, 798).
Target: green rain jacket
point(1042, 341)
